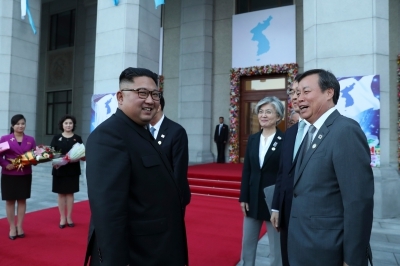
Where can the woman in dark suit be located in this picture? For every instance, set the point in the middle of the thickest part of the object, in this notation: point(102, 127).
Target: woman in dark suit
point(260, 169)
point(16, 184)
point(66, 178)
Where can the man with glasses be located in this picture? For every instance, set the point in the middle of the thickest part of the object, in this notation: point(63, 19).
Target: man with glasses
point(282, 200)
point(135, 202)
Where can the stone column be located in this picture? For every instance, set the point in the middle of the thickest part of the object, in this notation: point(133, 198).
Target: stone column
point(195, 77)
point(352, 38)
point(88, 65)
point(19, 56)
point(127, 35)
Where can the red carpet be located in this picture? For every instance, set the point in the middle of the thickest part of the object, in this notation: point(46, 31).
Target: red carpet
point(216, 179)
point(214, 229)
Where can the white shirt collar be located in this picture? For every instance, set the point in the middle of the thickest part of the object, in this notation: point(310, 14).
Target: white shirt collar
point(157, 126)
point(320, 121)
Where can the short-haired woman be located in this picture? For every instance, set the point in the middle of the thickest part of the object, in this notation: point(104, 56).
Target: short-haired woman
point(66, 178)
point(260, 170)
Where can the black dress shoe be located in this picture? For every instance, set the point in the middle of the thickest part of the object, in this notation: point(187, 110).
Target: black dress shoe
point(71, 225)
point(62, 226)
point(12, 237)
point(20, 235)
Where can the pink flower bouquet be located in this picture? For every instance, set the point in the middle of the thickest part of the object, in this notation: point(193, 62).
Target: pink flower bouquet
point(76, 153)
point(40, 154)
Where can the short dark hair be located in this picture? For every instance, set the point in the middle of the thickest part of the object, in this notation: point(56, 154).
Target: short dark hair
point(326, 80)
point(162, 102)
point(221, 117)
point(65, 117)
point(297, 77)
point(14, 121)
point(130, 73)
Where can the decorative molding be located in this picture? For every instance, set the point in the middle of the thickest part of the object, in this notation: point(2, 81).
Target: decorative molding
point(236, 73)
point(60, 67)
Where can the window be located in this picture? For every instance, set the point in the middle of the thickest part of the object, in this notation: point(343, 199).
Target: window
point(58, 104)
point(62, 30)
point(243, 6)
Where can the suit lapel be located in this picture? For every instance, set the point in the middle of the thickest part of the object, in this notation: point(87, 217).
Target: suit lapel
point(315, 144)
point(26, 144)
point(256, 147)
point(272, 147)
point(145, 134)
point(14, 144)
point(163, 131)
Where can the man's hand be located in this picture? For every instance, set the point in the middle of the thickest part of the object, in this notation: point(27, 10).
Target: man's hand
point(275, 220)
point(245, 207)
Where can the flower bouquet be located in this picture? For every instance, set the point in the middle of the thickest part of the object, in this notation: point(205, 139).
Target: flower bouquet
point(40, 154)
point(76, 153)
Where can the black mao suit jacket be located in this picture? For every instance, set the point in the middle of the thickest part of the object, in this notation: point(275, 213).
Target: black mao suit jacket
point(134, 198)
point(173, 140)
point(255, 179)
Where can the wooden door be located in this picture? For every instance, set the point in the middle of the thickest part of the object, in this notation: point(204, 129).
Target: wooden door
point(252, 90)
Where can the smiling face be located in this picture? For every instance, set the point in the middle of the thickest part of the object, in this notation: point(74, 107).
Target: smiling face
point(267, 116)
point(141, 111)
point(68, 125)
point(19, 127)
point(293, 97)
point(312, 101)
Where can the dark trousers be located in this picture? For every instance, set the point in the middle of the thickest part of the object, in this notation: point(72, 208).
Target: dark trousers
point(95, 255)
point(221, 152)
point(284, 230)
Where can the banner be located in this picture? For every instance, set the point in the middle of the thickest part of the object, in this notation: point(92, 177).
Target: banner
point(264, 37)
point(103, 106)
point(359, 100)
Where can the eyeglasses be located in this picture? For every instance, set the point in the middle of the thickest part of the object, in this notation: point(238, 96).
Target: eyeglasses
point(144, 93)
point(290, 92)
point(267, 112)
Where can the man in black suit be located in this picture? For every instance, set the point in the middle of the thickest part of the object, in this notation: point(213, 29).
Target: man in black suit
point(282, 200)
point(136, 207)
point(221, 137)
point(173, 140)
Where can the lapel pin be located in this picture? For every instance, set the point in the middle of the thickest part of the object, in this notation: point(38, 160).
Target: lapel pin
point(163, 136)
point(273, 148)
point(279, 137)
point(60, 139)
point(320, 136)
point(12, 139)
point(314, 145)
point(159, 142)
